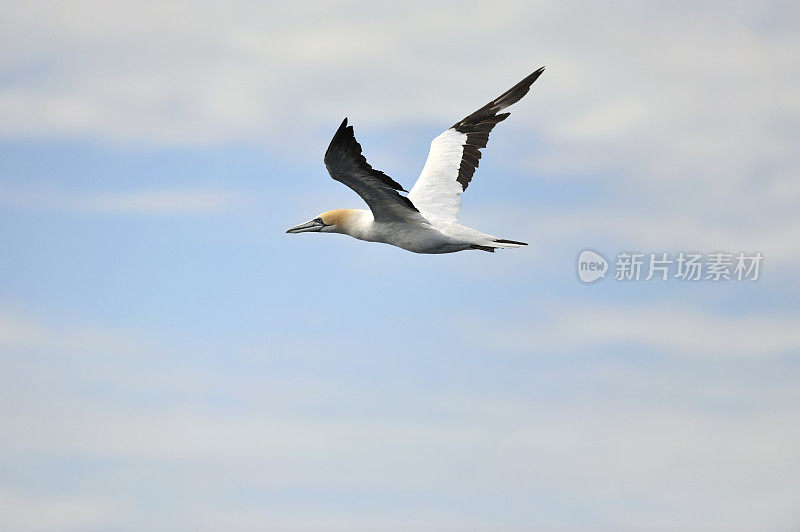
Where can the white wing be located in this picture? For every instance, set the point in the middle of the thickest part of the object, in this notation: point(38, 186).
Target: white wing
point(455, 154)
point(437, 192)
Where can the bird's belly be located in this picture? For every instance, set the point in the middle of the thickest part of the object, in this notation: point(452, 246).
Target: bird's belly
point(415, 238)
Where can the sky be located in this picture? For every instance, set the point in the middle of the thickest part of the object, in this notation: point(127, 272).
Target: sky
point(170, 359)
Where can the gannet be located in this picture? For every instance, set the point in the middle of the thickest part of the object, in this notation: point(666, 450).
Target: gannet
point(424, 221)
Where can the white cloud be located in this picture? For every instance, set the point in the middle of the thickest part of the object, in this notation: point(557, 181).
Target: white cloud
point(615, 228)
point(674, 331)
point(630, 445)
point(664, 106)
point(220, 71)
point(153, 202)
point(19, 332)
point(21, 511)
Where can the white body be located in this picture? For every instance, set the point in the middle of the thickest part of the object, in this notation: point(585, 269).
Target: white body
point(438, 236)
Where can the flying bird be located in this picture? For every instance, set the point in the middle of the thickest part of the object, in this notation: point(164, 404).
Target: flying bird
point(426, 219)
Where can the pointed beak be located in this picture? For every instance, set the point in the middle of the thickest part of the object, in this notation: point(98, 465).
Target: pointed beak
point(313, 225)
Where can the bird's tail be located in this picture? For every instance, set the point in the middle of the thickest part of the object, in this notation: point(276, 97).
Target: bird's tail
point(499, 243)
point(503, 243)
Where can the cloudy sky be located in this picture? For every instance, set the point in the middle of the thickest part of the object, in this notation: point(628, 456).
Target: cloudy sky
point(171, 360)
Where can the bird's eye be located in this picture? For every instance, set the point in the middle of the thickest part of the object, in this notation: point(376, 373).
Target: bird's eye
point(319, 220)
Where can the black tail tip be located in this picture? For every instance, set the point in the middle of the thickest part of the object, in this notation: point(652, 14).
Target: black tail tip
point(483, 248)
point(504, 241)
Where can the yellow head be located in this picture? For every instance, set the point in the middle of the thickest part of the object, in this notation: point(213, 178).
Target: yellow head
point(335, 221)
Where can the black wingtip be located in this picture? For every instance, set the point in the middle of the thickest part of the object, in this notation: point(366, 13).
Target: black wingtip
point(344, 145)
point(534, 76)
point(340, 131)
point(340, 136)
point(508, 98)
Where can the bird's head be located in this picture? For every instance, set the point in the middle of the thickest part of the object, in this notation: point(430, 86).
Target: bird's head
point(335, 221)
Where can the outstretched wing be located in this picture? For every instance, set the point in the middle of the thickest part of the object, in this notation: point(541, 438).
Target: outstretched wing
point(347, 165)
point(455, 154)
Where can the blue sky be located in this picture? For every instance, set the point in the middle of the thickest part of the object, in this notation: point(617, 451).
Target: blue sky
point(171, 360)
